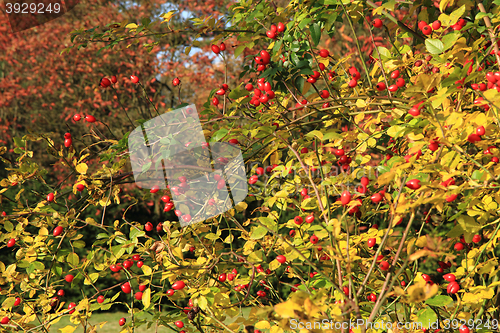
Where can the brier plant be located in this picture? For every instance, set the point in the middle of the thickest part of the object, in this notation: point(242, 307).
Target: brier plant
point(372, 169)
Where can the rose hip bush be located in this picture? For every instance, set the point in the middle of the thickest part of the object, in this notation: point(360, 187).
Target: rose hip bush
point(373, 185)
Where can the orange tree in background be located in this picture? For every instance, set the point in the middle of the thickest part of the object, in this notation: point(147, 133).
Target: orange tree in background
point(373, 187)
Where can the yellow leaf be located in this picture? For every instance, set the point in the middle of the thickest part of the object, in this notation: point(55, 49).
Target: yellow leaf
point(310, 308)
point(422, 291)
point(276, 329)
point(168, 16)
point(263, 325)
point(273, 265)
point(421, 241)
point(82, 168)
point(187, 50)
point(414, 137)
point(287, 309)
point(360, 116)
point(202, 302)
point(386, 177)
point(146, 297)
point(43, 231)
point(131, 26)
point(146, 270)
point(104, 202)
point(443, 4)
point(282, 194)
point(241, 206)
point(67, 329)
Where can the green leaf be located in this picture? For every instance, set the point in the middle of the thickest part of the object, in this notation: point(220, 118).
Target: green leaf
point(219, 134)
point(146, 166)
point(434, 46)
point(331, 135)
point(449, 40)
point(8, 226)
point(315, 33)
point(304, 23)
point(384, 52)
point(79, 244)
point(134, 233)
point(73, 259)
point(239, 50)
point(457, 14)
point(118, 251)
point(237, 93)
point(315, 133)
point(9, 302)
point(309, 203)
point(258, 233)
point(426, 316)
point(439, 300)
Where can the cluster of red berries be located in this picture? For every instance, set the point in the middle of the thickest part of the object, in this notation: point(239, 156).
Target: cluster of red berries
point(355, 77)
point(493, 81)
point(105, 82)
point(262, 94)
point(67, 140)
point(259, 172)
point(274, 30)
point(218, 48)
point(127, 264)
point(221, 92)
point(228, 276)
point(88, 118)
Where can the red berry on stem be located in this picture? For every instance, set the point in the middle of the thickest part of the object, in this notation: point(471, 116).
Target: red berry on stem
point(105, 82)
point(384, 265)
point(436, 25)
point(427, 30)
point(463, 329)
point(380, 86)
point(126, 288)
point(345, 197)
point(480, 130)
point(178, 285)
point(57, 231)
point(377, 23)
point(90, 118)
point(69, 278)
point(134, 79)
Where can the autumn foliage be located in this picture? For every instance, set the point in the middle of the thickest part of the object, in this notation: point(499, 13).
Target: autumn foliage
point(372, 168)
